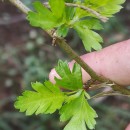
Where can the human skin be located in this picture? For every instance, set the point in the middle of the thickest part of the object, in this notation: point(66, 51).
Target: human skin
point(112, 62)
point(128, 127)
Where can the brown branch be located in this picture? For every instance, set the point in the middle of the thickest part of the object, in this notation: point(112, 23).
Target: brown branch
point(121, 89)
point(20, 6)
point(73, 55)
point(108, 93)
point(61, 42)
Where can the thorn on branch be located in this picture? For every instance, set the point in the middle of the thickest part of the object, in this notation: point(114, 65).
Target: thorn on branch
point(54, 37)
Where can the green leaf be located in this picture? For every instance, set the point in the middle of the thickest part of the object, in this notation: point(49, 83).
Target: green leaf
point(43, 17)
point(90, 38)
point(103, 3)
point(62, 31)
point(57, 7)
point(80, 114)
point(46, 98)
point(70, 11)
point(71, 80)
point(106, 7)
point(81, 13)
point(90, 23)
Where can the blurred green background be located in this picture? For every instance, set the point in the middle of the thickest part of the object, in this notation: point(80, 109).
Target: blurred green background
point(26, 55)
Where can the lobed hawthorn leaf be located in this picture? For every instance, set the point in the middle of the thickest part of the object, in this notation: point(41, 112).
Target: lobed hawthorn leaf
point(43, 17)
point(106, 7)
point(71, 80)
point(103, 3)
point(80, 114)
point(62, 18)
point(89, 38)
point(46, 98)
point(84, 27)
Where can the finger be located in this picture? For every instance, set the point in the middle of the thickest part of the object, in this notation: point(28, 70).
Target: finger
point(111, 62)
point(115, 62)
point(85, 76)
point(128, 127)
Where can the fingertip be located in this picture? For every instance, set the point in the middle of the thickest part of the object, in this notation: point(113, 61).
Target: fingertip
point(88, 58)
point(52, 76)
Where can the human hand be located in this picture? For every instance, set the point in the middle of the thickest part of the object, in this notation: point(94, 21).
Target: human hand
point(112, 62)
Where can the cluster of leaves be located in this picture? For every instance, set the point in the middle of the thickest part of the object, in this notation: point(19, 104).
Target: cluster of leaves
point(62, 17)
point(72, 105)
point(47, 97)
